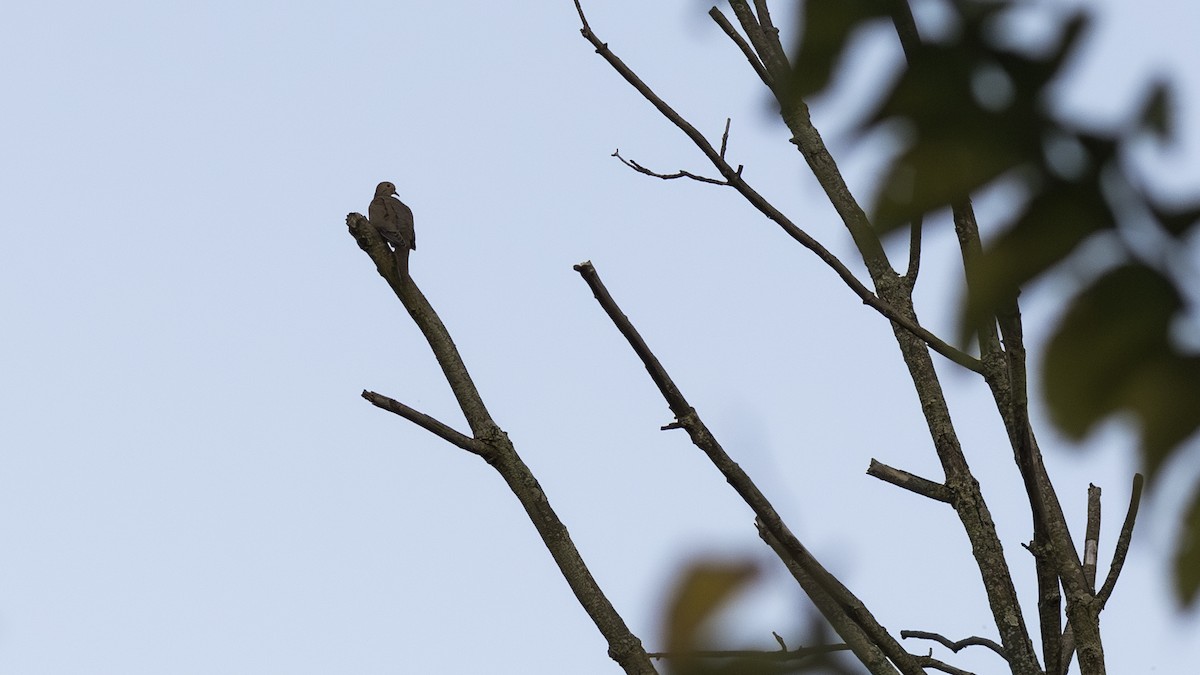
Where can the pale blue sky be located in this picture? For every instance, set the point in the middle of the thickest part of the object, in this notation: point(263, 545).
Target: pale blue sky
point(189, 481)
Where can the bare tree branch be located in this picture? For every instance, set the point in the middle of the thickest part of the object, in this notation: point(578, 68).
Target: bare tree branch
point(1004, 375)
point(755, 654)
point(770, 32)
point(1123, 539)
point(914, 252)
point(910, 482)
point(668, 176)
point(1066, 652)
point(955, 645)
point(1091, 537)
point(770, 51)
point(767, 209)
point(832, 608)
point(623, 646)
point(794, 113)
point(428, 423)
point(738, 40)
point(689, 420)
point(1066, 645)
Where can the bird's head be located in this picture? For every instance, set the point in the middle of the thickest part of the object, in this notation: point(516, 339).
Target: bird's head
point(385, 189)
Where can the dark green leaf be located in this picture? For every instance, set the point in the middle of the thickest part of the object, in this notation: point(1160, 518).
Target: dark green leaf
point(956, 145)
point(1164, 394)
point(827, 26)
point(1049, 229)
point(1112, 352)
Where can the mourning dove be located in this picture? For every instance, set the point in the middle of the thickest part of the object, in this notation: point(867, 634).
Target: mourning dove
point(394, 222)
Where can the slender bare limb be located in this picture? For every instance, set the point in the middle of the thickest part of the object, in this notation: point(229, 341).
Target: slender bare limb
point(1066, 652)
point(725, 142)
point(1050, 523)
point(794, 113)
point(893, 292)
point(864, 648)
point(914, 252)
point(910, 482)
point(770, 32)
point(1004, 374)
point(428, 423)
point(623, 646)
point(955, 645)
point(1123, 539)
point(1091, 537)
point(738, 40)
point(770, 51)
point(668, 176)
point(1067, 642)
point(766, 208)
point(756, 655)
point(700, 435)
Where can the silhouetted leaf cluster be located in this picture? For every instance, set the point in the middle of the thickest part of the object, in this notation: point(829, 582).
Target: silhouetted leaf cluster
point(973, 110)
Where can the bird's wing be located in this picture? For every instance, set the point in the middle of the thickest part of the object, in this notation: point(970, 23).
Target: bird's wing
point(376, 210)
point(402, 216)
point(379, 213)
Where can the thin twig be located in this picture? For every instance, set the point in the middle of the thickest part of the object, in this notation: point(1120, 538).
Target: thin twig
point(795, 114)
point(725, 141)
point(772, 58)
point(1091, 537)
point(428, 423)
point(667, 176)
point(770, 32)
point(998, 375)
point(955, 645)
point(755, 654)
point(738, 40)
point(766, 208)
point(914, 251)
point(1123, 539)
point(910, 482)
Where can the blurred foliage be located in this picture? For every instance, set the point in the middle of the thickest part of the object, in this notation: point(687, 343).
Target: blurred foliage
point(973, 108)
point(702, 591)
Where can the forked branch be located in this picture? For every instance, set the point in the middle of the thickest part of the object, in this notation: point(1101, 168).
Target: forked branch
point(845, 612)
point(669, 176)
point(955, 645)
point(759, 202)
point(491, 443)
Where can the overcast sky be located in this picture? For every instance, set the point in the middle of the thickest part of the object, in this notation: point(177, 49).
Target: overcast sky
point(190, 483)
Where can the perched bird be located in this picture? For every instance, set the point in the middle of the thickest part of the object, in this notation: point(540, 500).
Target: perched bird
point(394, 222)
